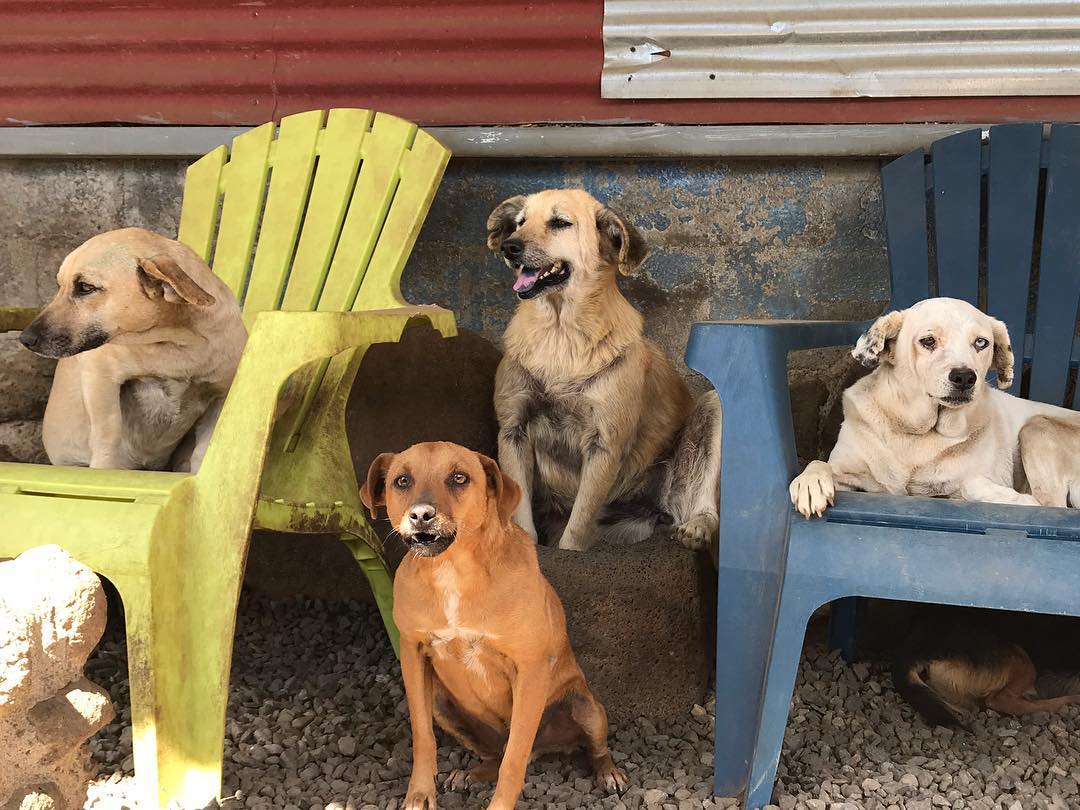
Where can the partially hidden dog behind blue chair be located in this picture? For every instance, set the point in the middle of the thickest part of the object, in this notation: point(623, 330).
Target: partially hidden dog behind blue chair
point(1006, 231)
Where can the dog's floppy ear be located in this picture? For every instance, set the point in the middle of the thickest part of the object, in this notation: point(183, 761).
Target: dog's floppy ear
point(162, 277)
point(621, 243)
point(876, 343)
point(501, 487)
point(373, 492)
point(1003, 354)
point(503, 221)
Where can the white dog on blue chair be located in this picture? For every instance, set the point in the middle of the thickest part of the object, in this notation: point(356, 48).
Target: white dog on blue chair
point(926, 422)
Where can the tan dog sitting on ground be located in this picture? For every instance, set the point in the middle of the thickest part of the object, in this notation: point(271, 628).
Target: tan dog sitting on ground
point(595, 423)
point(148, 340)
point(484, 649)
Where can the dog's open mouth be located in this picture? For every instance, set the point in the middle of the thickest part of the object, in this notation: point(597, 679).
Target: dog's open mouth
point(429, 544)
point(532, 281)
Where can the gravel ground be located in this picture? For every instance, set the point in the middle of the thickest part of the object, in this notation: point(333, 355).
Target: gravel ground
point(317, 721)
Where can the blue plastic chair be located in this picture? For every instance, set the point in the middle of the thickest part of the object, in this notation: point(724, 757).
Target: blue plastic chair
point(775, 567)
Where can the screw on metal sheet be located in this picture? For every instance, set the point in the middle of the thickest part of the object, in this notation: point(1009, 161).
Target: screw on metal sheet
point(633, 49)
point(712, 75)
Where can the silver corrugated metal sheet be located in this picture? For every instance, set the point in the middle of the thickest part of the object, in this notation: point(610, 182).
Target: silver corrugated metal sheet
point(829, 48)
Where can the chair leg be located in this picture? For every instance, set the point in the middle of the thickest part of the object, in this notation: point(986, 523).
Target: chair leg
point(844, 626)
point(178, 697)
point(795, 611)
point(382, 584)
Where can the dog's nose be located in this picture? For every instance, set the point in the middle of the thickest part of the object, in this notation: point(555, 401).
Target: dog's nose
point(30, 337)
point(421, 515)
point(513, 248)
point(963, 377)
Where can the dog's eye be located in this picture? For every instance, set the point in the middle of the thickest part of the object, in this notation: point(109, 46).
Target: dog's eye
point(459, 479)
point(981, 343)
point(403, 482)
point(928, 343)
point(82, 289)
point(558, 224)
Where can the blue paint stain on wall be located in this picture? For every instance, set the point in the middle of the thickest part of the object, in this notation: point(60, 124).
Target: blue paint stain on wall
point(670, 269)
point(602, 182)
point(704, 181)
point(789, 217)
point(651, 220)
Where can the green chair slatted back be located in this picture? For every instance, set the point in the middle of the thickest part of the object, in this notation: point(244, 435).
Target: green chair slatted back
point(348, 193)
point(337, 184)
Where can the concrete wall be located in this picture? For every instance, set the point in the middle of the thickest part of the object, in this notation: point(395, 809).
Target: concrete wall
point(731, 239)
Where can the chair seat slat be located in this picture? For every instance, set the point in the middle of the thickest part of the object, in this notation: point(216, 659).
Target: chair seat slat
point(290, 181)
point(1012, 200)
point(199, 210)
point(957, 193)
point(904, 190)
point(244, 190)
point(335, 176)
point(383, 149)
point(1059, 268)
point(421, 168)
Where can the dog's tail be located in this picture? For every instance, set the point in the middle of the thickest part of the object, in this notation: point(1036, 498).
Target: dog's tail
point(628, 522)
point(909, 678)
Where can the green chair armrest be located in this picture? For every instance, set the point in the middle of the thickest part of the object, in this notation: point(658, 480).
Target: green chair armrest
point(281, 343)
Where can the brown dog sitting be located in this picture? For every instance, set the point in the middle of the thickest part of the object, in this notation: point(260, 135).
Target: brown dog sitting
point(484, 649)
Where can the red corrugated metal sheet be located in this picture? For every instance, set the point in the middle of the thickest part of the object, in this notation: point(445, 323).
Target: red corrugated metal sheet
point(463, 62)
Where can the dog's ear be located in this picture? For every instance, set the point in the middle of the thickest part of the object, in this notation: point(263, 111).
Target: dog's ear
point(501, 487)
point(162, 277)
point(503, 221)
point(1003, 354)
point(621, 243)
point(373, 492)
point(876, 344)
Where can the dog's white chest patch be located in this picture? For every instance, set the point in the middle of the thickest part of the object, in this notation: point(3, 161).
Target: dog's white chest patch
point(447, 583)
point(469, 650)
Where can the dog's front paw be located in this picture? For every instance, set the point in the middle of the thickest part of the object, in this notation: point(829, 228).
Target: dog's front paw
point(813, 490)
point(608, 776)
point(571, 542)
point(107, 461)
point(697, 531)
point(420, 797)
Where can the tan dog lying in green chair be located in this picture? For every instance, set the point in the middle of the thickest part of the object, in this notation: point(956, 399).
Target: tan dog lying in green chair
point(148, 340)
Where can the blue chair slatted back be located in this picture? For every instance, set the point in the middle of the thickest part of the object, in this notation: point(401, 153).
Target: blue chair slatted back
point(984, 203)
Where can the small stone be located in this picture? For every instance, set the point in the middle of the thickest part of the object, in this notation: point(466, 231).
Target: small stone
point(347, 746)
point(654, 796)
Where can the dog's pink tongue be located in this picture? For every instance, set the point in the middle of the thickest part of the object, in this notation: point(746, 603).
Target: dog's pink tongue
point(526, 280)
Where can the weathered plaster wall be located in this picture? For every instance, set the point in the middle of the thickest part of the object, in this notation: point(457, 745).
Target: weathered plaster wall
point(731, 239)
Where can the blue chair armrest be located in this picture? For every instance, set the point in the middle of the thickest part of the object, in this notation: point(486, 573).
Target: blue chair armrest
point(746, 362)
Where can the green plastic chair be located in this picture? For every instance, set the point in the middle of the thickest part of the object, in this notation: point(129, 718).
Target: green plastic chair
point(345, 196)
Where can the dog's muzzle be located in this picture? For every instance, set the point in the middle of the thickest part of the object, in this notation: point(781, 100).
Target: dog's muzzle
point(40, 340)
point(426, 532)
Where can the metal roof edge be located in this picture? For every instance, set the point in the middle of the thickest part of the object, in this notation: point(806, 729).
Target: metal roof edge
point(555, 141)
